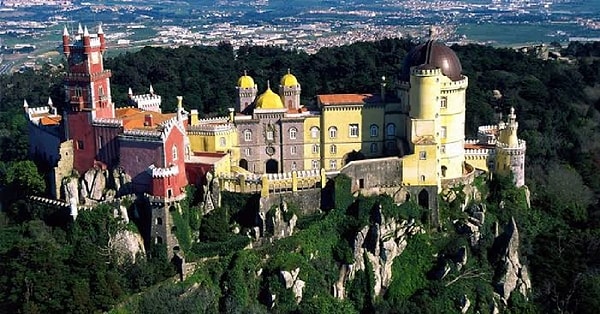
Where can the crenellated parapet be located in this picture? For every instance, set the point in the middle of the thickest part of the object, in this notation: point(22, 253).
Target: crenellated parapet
point(108, 122)
point(519, 149)
point(157, 172)
point(273, 182)
point(148, 102)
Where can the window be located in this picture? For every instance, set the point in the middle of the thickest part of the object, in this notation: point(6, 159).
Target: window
point(315, 149)
point(78, 91)
point(80, 144)
point(101, 91)
point(314, 132)
point(315, 164)
point(443, 132)
point(374, 130)
point(333, 164)
point(374, 148)
point(222, 141)
point(174, 151)
point(444, 102)
point(158, 240)
point(333, 149)
point(293, 132)
point(422, 155)
point(294, 165)
point(390, 130)
point(100, 142)
point(270, 135)
point(353, 130)
point(293, 150)
point(443, 149)
point(247, 135)
point(332, 132)
point(247, 151)
point(158, 221)
point(422, 178)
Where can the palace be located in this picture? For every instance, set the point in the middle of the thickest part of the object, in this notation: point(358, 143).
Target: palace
point(411, 138)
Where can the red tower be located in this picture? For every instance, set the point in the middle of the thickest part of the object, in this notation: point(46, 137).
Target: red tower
point(87, 89)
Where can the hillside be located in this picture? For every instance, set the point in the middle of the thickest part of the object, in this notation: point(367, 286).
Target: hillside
point(441, 268)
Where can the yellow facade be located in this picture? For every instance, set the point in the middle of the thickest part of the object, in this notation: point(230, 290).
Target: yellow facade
point(421, 168)
point(337, 136)
point(312, 142)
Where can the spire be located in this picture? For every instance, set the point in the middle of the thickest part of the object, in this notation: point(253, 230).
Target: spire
point(85, 32)
point(130, 92)
point(245, 73)
point(65, 31)
point(79, 29)
point(268, 84)
point(289, 72)
point(50, 102)
point(100, 30)
point(25, 104)
point(151, 90)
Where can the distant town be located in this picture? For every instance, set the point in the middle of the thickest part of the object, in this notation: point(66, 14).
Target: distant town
point(29, 29)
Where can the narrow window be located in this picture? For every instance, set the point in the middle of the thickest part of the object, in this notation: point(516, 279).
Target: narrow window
point(333, 164)
point(332, 132)
point(314, 132)
point(374, 147)
point(222, 141)
point(315, 149)
point(293, 132)
point(333, 149)
point(174, 151)
point(374, 130)
point(444, 102)
point(390, 130)
point(443, 132)
point(293, 150)
point(247, 135)
point(353, 130)
point(422, 155)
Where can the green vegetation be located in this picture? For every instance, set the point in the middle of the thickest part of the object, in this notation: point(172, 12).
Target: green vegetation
point(48, 264)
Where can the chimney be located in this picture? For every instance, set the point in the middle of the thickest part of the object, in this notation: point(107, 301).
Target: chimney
point(66, 43)
point(86, 40)
point(148, 120)
point(194, 117)
point(101, 37)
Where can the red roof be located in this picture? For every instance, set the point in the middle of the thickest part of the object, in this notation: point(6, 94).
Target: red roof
point(134, 118)
point(343, 99)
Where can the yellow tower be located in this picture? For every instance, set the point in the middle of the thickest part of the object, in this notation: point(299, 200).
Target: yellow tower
point(510, 150)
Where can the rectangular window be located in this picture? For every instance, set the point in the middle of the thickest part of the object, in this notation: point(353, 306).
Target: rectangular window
point(333, 164)
point(353, 130)
point(270, 135)
point(315, 164)
point(293, 150)
point(247, 151)
point(443, 149)
point(315, 149)
point(444, 102)
point(100, 141)
point(443, 132)
point(422, 155)
point(80, 144)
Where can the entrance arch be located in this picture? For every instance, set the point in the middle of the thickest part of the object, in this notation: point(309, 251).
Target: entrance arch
point(244, 164)
point(424, 198)
point(272, 166)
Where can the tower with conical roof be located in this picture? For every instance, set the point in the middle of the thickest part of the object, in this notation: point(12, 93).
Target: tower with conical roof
point(247, 90)
point(510, 150)
point(289, 90)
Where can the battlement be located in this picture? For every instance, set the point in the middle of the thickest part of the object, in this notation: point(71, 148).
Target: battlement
point(272, 182)
point(108, 122)
point(148, 102)
point(142, 133)
point(520, 148)
point(463, 83)
point(425, 72)
point(157, 172)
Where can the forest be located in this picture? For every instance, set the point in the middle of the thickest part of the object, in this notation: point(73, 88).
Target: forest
point(50, 264)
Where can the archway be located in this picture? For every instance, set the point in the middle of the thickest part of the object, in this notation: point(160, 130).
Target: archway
point(424, 198)
point(244, 164)
point(272, 166)
point(444, 168)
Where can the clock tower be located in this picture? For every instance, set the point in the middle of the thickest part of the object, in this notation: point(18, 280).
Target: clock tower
point(87, 90)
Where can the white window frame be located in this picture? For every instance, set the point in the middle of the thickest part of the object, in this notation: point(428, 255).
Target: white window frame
point(315, 148)
point(332, 132)
point(248, 135)
point(333, 149)
point(332, 164)
point(314, 132)
point(374, 130)
point(353, 130)
point(174, 152)
point(293, 133)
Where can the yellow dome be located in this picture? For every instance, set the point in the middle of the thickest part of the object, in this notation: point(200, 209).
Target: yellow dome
point(289, 80)
point(246, 81)
point(269, 100)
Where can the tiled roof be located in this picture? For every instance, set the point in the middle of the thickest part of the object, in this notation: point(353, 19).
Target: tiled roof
point(133, 118)
point(50, 120)
point(345, 99)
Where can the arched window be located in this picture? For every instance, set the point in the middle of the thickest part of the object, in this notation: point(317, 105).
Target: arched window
point(293, 165)
point(293, 132)
point(315, 149)
point(158, 221)
point(333, 164)
point(174, 152)
point(390, 130)
point(374, 147)
point(314, 132)
point(333, 132)
point(315, 164)
point(222, 141)
point(374, 130)
point(247, 135)
point(353, 130)
point(333, 149)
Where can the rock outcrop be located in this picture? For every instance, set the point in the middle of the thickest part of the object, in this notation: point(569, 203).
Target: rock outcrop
point(277, 225)
point(380, 242)
point(510, 273)
point(292, 281)
point(126, 245)
point(93, 185)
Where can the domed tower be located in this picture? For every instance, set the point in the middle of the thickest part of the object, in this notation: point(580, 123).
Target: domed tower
point(247, 91)
point(289, 90)
point(510, 150)
point(269, 100)
point(434, 89)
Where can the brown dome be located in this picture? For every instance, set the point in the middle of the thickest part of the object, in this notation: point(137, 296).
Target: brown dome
point(435, 54)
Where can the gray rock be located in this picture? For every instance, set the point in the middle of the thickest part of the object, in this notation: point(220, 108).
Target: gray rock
point(515, 275)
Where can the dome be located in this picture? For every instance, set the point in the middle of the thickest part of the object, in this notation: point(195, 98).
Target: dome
point(289, 80)
point(269, 100)
point(245, 81)
point(434, 54)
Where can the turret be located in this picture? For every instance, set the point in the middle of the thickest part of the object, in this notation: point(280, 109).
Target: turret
point(86, 40)
point(66, 42)
point(101, 38)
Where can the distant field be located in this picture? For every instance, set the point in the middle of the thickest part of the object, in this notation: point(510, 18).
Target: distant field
point(511, 34)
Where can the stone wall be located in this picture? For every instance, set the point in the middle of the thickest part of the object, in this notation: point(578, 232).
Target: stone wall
point(308, 201)
point(373, 173)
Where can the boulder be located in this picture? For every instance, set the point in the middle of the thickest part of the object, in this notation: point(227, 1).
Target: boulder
point(126, 245)
point(512, 274)
point(292, 281)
